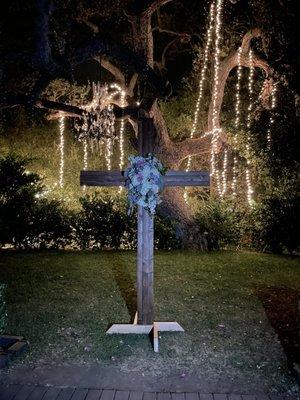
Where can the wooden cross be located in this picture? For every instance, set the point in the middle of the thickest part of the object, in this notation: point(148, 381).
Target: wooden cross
point(144, 318)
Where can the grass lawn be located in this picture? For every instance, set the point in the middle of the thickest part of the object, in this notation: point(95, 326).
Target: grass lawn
point(239, 310)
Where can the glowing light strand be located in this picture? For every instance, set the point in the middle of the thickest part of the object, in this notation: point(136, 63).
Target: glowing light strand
point(271, 121)
point(121, 138)
point(85, 158)
point(201, 83)
point(236, 122)
point(250, 107)
point(215, 127)
point(224, 174)
point(61, 150)
point(108, 153)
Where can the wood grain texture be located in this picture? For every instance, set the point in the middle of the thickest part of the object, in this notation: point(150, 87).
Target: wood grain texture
point(145, 268)
point(172, 178)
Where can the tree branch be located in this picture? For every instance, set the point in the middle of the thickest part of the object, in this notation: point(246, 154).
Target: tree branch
point(227, 65)
point(193, 147)
point(74, 111)
point(115, 71)
point(89, 24)
point(122, 56)
point(154, 7)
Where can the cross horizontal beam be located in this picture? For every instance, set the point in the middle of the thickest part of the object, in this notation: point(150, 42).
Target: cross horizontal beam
point(172, 178)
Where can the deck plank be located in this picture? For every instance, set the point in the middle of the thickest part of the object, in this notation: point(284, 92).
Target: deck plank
point(149, 396)
point(220, 396)
point(163, 396)
point(65, 394)
point(136, 396)
point(93, 394)
point(52, 393)
point(177, 396)
point(191, 396)
point(24, 393)
point(122, 395)
point(79, 394)
point(8, 392)
point(37, 393)
point(108, 395)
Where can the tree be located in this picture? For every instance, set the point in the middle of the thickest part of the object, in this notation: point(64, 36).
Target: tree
point(131, 58)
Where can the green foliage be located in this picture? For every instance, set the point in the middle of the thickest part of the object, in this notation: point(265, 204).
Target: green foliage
point(17, 200)
point(218, 222)
point(274, 223)
point(39, 144)
point(275, 219)
point(26, 220)
point(29, 220)
point(165, 237)
point(103, 223)
point(3, 315)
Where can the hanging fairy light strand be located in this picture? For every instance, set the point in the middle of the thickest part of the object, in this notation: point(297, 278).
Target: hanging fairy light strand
point(224, 174)
point(121, 138)
point(108, 153)
point(61, 150)
point(250, 107)
point(236, 122)
point(271, 121)
point(201, 84)
point(85, 158)
point(215, 128)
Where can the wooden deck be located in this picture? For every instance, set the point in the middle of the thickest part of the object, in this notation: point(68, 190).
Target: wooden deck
point(29, 392)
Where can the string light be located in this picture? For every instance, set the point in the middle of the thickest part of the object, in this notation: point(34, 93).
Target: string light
point(236, 121)
point(108, 153)
point(61, 150)
point(85, 158)
point(224, 174)
point(216, 129)
point(250, 90)
point(201, 83)
point(271, 121)
point(121, 139)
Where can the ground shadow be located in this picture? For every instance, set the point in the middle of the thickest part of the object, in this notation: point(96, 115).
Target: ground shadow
point(282, 309)
point(125, 284)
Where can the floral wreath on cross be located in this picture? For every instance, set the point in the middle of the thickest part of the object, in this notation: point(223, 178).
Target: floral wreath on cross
point(144, 181)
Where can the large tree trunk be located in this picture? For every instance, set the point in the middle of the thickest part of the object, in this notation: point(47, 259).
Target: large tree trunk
point(173, 204)
point(186, 229)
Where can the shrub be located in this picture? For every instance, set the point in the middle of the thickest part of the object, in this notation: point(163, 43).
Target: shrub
point(275, 222)
point(51, 226)
point(18, 189)
point(103, 223)
point(218, 221)
point(164, 234)
point(26, 220)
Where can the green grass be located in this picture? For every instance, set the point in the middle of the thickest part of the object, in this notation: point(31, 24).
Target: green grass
point(63, 302)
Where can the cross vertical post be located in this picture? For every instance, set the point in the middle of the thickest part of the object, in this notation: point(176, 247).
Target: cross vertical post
point(145, 304)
